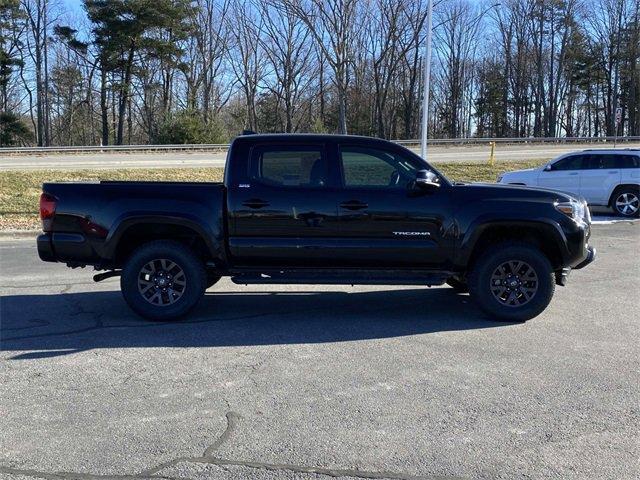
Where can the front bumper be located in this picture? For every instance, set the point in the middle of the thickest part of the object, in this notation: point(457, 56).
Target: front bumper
point(591, 256)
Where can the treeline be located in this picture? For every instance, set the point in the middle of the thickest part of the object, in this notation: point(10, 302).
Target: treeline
point(182, 71)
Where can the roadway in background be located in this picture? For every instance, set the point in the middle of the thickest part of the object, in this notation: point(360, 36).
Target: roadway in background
point(116, 160)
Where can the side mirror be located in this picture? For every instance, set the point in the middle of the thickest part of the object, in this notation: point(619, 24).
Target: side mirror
point(426, 179)
point(548, 167)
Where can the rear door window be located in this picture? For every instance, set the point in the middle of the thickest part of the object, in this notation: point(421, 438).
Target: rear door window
point(611, 161)
point(295, 166)
point(629, 161)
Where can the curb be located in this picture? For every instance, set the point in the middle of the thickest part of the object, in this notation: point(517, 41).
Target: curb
point(11, 234)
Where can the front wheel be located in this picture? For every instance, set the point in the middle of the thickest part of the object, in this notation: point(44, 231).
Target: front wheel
point(512, 282)
point(163, 280)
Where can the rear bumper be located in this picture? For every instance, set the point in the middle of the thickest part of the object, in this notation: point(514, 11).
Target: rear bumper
point(45, 248)
point(65, 247)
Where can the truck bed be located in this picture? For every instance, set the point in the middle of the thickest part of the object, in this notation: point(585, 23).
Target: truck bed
point(91, 217)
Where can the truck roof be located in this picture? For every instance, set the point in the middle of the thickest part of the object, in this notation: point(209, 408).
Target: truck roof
point(305, 137)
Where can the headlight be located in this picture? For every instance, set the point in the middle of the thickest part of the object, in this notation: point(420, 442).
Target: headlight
point(587, 212)
point(572, 209)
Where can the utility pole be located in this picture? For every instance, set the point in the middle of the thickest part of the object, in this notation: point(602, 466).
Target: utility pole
point(427, 75)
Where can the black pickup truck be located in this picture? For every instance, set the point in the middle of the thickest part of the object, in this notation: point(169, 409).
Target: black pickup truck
point(319, 209)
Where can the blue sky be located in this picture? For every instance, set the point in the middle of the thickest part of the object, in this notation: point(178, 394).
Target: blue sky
point(73, 5)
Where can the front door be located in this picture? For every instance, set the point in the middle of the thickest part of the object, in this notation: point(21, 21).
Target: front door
point(285, 213)
point(383, 221)
point(563, 175)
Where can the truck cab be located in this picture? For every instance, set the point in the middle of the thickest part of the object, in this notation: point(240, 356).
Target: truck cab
point(334, 202)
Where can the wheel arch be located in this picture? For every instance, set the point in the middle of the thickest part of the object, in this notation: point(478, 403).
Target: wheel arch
point(135, 231)
point(547, 237)
point(619, 188)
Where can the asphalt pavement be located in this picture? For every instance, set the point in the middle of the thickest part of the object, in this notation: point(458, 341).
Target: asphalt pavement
point(318, 382)
point(114, 160)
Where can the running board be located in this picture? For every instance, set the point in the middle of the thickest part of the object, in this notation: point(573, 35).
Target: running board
point(341, 277)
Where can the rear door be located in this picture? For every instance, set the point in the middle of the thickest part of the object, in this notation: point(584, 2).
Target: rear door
point(384, 222)
point(630, 169)
point(283, 213)
point(600, 175)
point(563, 175)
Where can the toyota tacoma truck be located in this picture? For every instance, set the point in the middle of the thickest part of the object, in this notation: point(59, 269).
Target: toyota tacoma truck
point(319, 209)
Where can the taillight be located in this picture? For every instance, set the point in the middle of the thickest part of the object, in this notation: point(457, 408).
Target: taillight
point(48, 205)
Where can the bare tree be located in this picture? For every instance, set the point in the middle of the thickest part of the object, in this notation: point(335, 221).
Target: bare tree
point(38, 26)
point(285, 42)
point(334, 25)
point(245, 27)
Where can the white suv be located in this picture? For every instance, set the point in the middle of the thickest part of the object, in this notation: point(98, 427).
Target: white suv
point(603, 177)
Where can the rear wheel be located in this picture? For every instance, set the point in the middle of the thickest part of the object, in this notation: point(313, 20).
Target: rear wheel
point(626, 202)
point(163, 280)
point(512, 282)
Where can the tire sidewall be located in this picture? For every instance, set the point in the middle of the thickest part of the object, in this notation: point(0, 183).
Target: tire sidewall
point(176, 252)
point(617, 195)
point(480, 282)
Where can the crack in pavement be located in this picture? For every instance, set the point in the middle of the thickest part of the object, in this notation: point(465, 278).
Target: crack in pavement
point(207, 458)
point(232, 419)
point(330, 472)
point(97, 317)
point(39, 285)
point(77, 475)
point(38, 322)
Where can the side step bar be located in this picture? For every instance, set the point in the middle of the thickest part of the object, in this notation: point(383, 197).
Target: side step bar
point(341, 277)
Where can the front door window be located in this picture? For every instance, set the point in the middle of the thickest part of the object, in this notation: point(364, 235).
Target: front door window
point(377, 169)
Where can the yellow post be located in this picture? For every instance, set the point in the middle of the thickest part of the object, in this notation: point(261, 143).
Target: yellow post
point(491, 156)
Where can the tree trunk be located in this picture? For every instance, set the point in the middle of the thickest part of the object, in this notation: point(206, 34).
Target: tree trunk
point(104, 107)
point(124, 95)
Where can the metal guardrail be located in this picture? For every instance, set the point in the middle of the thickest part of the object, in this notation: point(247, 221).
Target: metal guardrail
point(520, 140)
point(115, 148)
point(224, 146)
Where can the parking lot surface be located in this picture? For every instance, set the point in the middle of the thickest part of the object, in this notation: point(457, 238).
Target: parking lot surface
point(310, 382)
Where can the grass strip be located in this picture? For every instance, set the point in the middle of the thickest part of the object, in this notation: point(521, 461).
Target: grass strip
point(20, 190)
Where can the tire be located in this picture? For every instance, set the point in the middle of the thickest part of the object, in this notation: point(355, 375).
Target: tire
point(625, 202)
point(163, 280)
point(458, 285)
point(519, 297)
point(212, 279)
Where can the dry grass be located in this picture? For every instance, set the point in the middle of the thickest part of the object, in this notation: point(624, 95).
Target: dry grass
point(20, 190)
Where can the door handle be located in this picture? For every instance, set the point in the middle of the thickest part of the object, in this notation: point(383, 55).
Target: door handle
point(255, 203)
point(573, 173)
point(613, 171)
point(354, 205)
